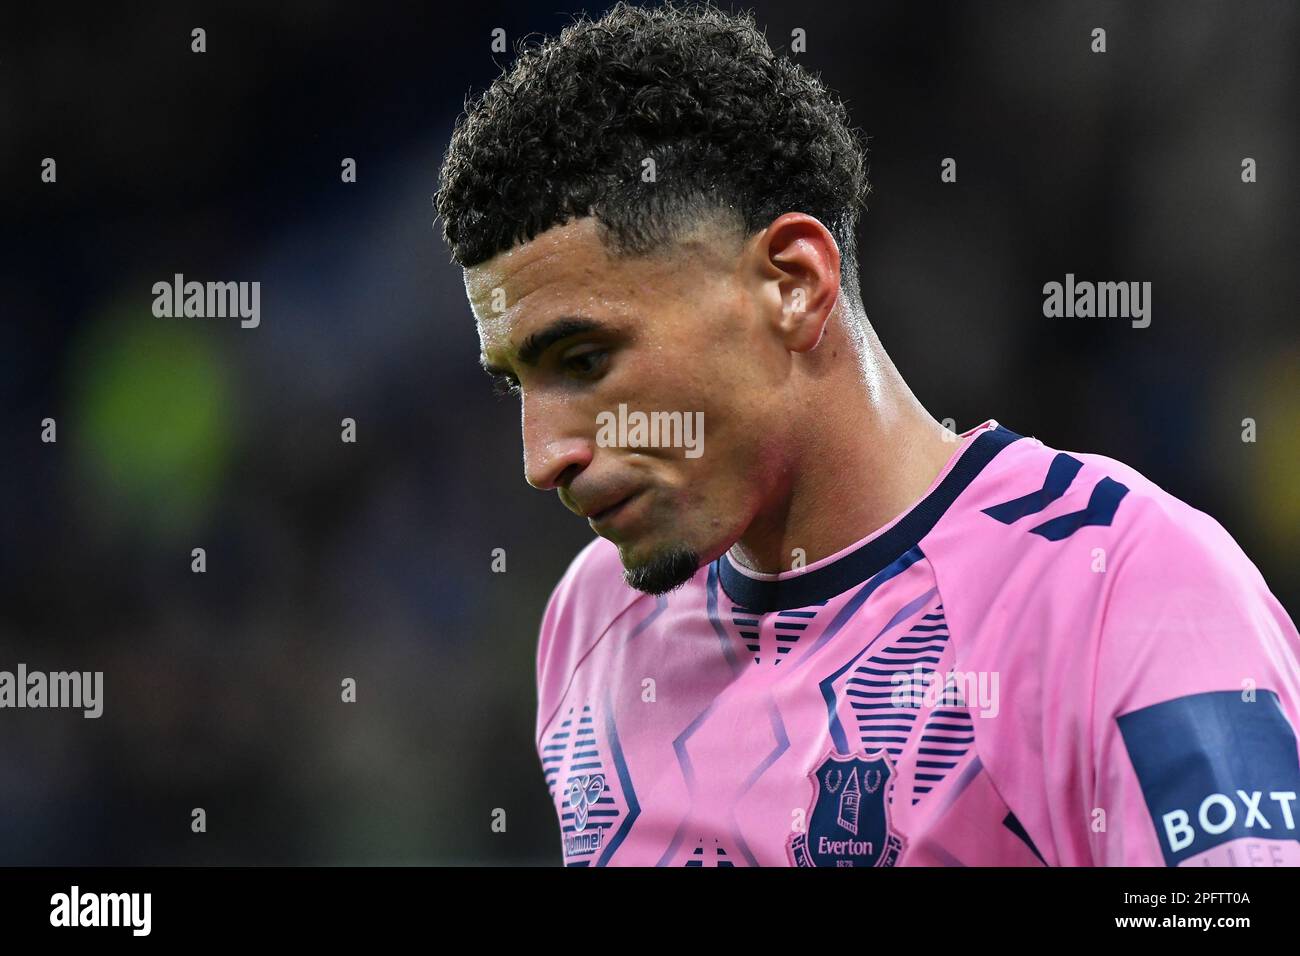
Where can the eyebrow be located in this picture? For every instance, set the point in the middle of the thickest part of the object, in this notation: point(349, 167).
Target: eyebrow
point(538, 342)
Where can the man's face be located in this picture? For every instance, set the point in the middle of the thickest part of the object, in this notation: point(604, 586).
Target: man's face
point(582, 332)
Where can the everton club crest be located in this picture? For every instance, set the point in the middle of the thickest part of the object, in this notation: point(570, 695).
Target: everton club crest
point(848, 823)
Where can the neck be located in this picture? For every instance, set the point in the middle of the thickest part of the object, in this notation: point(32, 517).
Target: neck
point(852, 471)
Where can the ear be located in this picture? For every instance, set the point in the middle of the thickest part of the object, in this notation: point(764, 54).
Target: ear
point(800, 260)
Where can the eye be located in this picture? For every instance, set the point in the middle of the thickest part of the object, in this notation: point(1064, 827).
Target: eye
point(586, 364)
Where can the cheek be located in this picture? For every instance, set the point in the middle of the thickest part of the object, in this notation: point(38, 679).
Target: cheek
point(705, 378)
point(719, 481)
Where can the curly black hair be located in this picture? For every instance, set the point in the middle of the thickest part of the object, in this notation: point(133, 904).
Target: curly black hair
point(734, 131)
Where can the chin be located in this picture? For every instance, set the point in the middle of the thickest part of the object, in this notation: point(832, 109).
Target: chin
point(663, 570)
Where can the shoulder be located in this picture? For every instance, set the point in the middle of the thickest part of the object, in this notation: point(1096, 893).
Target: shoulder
point(1049, 508)
point(1073, 544)
point(1182, 609)
point(592, 587)
point(589, 598)
point(1166, 551)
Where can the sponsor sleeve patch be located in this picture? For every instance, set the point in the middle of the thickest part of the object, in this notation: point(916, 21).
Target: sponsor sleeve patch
point(1215, 770)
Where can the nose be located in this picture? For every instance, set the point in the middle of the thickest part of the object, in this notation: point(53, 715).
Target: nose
point(556, 450)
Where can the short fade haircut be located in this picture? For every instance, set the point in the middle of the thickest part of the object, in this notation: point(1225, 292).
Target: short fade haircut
point(737, 134)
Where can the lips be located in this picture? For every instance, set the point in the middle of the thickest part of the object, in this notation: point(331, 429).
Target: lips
point(607, 512)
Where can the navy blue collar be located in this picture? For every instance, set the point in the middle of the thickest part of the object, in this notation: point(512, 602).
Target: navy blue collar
point(819, 586)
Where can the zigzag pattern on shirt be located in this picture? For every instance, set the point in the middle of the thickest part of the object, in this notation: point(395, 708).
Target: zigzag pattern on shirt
point(589, 806)
point(788, 628)
point(1100, 510)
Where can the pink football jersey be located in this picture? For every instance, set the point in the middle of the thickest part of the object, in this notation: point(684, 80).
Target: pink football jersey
point(1046, 661)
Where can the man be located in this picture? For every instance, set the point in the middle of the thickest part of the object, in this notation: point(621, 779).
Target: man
point(824, 630)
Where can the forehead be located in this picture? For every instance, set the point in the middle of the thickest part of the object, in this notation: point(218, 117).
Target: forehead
point(559, 271)
point(565, 271)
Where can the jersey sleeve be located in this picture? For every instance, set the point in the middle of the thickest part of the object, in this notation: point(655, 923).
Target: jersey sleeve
point(1195, 698)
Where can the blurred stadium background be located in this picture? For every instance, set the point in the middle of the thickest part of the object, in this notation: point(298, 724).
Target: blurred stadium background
point(371, 560)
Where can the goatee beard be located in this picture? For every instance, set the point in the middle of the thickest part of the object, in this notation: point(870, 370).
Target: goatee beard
point(665, 571)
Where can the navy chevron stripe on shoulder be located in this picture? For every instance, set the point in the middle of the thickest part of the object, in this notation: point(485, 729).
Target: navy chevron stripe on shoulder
point(1106, 496)
point(1100, 510)
point(1059, 478)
